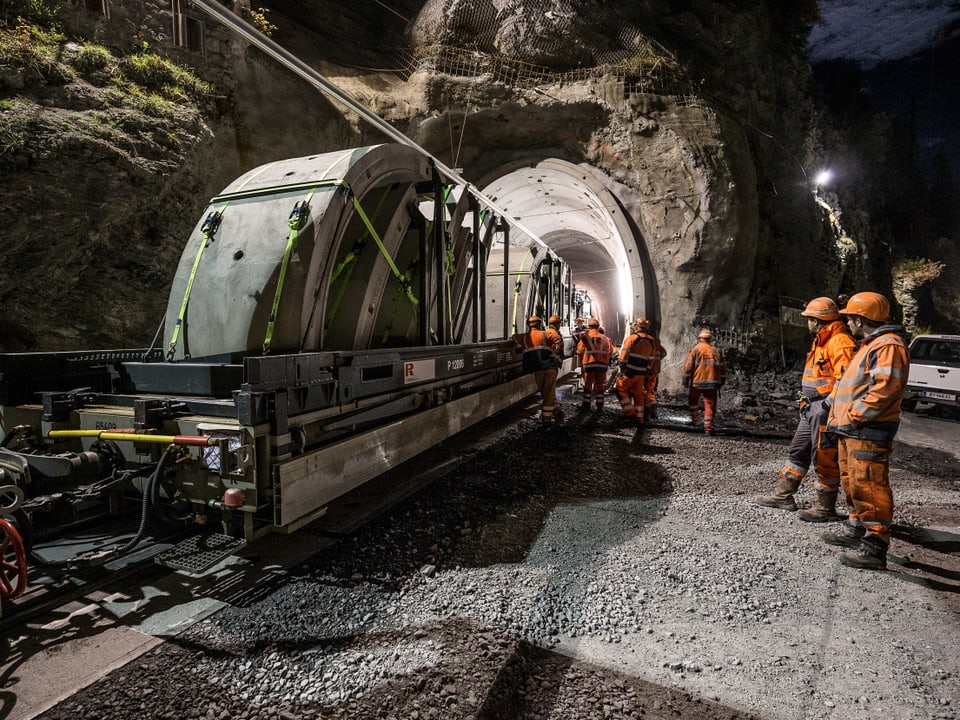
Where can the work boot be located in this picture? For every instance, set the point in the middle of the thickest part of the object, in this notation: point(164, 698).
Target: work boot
point(584, 406)
point(823, 510)
point(782, 497)
point(847, 536)
point(871, 555)
point(652, 411)
point(599, 406)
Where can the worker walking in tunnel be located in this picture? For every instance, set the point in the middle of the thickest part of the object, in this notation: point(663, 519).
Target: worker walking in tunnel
point(653, 373)
point(542, 352)
point(639, 356)
point(594, 350)
point(704, 372)
point(829, 355)
point(578, 331)
point(865, 415)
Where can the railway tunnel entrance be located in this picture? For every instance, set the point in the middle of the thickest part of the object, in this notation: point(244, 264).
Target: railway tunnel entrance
point(580, 219)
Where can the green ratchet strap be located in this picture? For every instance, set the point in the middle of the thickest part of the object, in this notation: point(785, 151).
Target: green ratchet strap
point(360, 242)
point(296, 221)
point(209, 228)
point(401, 277)
point(348, 264)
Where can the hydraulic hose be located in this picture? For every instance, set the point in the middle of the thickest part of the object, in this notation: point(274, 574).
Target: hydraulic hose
point(101, 557)
point(154, 492)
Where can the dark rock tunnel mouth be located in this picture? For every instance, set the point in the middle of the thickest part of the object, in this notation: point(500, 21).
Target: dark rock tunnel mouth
point(532, 160)
point(572, 212)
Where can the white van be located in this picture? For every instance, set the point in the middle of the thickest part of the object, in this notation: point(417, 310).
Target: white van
point(934, 371)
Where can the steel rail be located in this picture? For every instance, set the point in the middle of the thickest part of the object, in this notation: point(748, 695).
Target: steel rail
point(317, 80)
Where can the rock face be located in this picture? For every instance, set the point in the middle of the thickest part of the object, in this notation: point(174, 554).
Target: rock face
point(558, 35)
point(102, 181)
point(580, 81)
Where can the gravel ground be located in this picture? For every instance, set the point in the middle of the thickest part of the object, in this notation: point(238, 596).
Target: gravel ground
point(588, 571)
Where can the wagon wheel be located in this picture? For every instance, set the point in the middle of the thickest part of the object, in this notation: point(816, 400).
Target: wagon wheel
point(13, 561)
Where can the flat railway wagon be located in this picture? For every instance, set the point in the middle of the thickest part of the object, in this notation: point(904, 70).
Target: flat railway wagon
point(331, 317)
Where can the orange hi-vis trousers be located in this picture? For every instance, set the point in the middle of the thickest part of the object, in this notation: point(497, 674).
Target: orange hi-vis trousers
point(594, 381)
point(709, 396)
point(812, 444)
point(865, 476)
point(631, 392)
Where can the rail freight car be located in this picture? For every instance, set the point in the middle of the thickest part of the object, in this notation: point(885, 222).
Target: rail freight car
point(331, 317)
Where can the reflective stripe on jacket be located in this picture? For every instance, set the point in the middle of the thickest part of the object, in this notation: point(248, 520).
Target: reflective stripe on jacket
point(867, 399)
point(829, 356)
point(540, 349)
point(705, 367)
point(596, 349)
point(641, 353)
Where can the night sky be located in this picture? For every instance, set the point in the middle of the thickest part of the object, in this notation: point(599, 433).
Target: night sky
point(908, 52)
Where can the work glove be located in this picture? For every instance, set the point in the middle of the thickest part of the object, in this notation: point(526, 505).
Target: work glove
point(803, 402)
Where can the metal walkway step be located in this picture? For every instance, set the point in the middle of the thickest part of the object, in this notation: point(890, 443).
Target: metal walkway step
point(199, 552)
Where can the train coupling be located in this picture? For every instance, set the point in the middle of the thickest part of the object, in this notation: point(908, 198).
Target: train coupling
point(95, 558)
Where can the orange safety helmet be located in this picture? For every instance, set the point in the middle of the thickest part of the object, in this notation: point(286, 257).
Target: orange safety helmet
point(873, 306)
point(642, 323)
point(554, 319)
point(593, 322)
point(533, 320)
point(821, 308)
point(705, 334)
point(578, 320)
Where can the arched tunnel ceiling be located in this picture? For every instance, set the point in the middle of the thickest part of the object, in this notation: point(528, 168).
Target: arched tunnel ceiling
point(579, 219)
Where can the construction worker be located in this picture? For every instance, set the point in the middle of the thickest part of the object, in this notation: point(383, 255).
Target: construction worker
point(653, 372)
point(865, 415)
point(542, 350)
point(554, 336)
point(829, 355)
point(595, 350)
point(639, 355)
point(579, 330)
point(704, 372)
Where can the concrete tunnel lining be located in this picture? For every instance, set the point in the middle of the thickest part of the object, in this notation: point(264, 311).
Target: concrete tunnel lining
point(582, 222)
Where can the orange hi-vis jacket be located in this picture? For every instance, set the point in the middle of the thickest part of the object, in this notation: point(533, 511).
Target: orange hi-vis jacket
point(541, 349)
point(641, 353)
point(866, 401)
point(596, 349)
point(705, 367)
point(829, 356)
point(555, 340)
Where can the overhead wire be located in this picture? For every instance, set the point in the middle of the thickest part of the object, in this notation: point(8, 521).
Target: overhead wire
point(390, 9)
